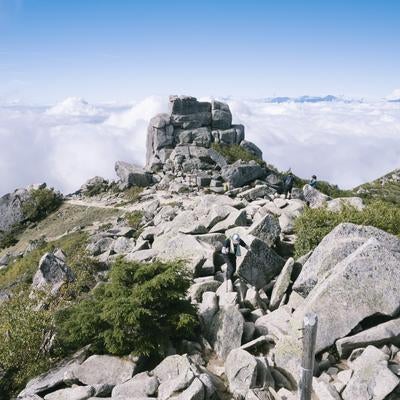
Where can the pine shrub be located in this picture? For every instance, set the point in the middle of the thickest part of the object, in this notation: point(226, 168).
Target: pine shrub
point(141, 311)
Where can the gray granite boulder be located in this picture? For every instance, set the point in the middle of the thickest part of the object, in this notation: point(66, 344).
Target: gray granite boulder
point(266, 229)
point(97, 183)
point(340, 202)
point(52, 273)
point(251, 148)
point(188, 113)
point(104, 369)
point(260, 264)
point(53, 378)
point(221, 115)
point(336, 246)
point(132, 175)
point(281, 284)
point(362, 285)
point(160, 134)
point(226, 331)
point(175, 374)
point(74, 393)
point(239, 173)
point(141, 385)
point(196, 391)
point(241, 371)
point(314, 198)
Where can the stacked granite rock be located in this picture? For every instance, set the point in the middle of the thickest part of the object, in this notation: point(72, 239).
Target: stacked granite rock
point(182, 139)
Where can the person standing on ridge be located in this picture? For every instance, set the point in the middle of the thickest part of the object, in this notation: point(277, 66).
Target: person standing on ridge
point(313, 181)
point(231, 250)
point(288, 185)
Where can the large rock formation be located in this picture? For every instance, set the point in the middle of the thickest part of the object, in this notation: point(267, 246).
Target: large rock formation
point(182, 138)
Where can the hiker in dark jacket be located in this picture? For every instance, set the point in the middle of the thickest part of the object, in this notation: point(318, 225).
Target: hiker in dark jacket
point(288, 185)
point(231, 250)
point(313, 181)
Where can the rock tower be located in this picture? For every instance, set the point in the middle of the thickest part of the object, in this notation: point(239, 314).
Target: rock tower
point(182, 139)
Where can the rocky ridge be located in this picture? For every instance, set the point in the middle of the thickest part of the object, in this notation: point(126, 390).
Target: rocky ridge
point(250, 346)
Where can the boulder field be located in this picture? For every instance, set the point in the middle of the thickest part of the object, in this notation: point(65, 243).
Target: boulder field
point(249, 345)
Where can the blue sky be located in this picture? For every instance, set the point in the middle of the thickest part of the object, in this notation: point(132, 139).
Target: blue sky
point(121, 50)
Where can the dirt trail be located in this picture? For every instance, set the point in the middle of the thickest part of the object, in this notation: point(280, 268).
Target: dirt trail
point(99, 204)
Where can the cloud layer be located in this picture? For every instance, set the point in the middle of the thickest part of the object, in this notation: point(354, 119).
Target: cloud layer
point(344, 142)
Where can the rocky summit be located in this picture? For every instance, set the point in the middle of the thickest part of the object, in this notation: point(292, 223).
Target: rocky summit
point(120, 290)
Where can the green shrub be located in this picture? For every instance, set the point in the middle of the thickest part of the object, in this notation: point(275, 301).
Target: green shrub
point(8, 239)
point(314, 224)
point(134, 220)
point(140, 311)
point(132, 195)
point(234, 152)
point(23, 332)
point(40, 204)
point(96, 188)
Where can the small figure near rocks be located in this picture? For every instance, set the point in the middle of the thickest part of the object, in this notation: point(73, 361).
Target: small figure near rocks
point(231, 250)
point(288, 185)
point(313, 181)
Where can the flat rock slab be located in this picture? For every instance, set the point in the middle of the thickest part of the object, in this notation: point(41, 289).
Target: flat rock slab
point(103, 369)
point(74, 393)
point(54, 377)
point(388, 332)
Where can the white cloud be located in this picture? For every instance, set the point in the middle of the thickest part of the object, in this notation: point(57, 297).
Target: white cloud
point(395, 95)
point(343, 142)
point(73, 106)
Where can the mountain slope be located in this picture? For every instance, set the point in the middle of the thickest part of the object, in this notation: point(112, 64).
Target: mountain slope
point(385, 188)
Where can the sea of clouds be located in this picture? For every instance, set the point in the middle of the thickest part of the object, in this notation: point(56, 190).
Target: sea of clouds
point(344, 142)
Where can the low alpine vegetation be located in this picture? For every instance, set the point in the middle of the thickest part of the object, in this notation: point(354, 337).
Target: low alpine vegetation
point(234, 152)
point(314, 224)
point(40, 204)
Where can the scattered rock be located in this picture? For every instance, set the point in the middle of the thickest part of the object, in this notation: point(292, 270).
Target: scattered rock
point(372, 379)
point(55, 377)
point(52, 273)
point(338, 203)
